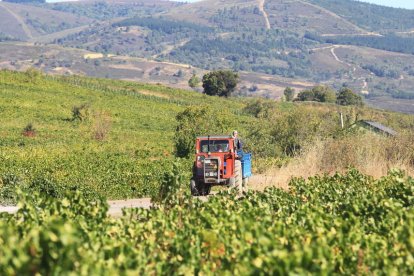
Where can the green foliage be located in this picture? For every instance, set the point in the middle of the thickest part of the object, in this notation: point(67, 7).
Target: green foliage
point(347, 97)
point(294, 130)
point(260, 108)
point(220, 83)
point(194, 81)
point(198, 121)
point(289, 94)
point(345, 224)
point(319, 93)
point(120, 149)
point(174, 185)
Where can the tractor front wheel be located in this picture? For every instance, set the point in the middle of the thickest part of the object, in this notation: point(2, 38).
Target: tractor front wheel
point(195, 189)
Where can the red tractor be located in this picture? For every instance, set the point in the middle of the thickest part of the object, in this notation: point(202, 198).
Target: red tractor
point(219, 162)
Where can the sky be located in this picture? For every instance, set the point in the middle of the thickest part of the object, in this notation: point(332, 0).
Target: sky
point(408, 4)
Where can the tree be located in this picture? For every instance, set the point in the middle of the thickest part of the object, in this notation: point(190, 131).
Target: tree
point(306, 96)
point(195, 121)
point(194, 81)
point(320, 93)
point(347, 97)
point(220, 83)
point(289, 94)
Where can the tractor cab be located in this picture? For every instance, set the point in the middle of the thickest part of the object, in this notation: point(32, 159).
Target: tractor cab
point(218, 162)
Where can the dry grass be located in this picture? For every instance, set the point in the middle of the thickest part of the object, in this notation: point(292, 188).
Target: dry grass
point(101, 125)
point(371, 154)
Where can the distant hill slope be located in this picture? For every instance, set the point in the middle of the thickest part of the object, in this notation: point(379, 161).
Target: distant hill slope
point(273, 43)
point(369, 16)
point(295, 16)
point(24, 22)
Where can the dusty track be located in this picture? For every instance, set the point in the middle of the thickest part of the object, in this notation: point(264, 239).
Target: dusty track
point(262, 10)
point(257, 182)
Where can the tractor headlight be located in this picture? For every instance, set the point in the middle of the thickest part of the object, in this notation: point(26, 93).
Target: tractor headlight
point(200, 158)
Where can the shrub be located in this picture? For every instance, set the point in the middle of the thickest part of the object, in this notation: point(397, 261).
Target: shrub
point(80, 113)
point(289, 94)
point(101, 125)
point(195, 121)
point(194, 81)
point(29, 130)
point(320, 93)
point(173, 187)
point(260, 108)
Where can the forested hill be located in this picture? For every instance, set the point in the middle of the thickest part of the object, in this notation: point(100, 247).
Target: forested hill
point(274, 43)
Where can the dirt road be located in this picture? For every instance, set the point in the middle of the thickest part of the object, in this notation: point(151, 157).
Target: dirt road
point(262, 10)
point(257, 182)
point(115, 207)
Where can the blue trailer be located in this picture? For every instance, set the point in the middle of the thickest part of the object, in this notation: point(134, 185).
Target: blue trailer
point(246, 161)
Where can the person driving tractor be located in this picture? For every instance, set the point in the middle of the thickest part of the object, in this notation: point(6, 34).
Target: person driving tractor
point(238, 143)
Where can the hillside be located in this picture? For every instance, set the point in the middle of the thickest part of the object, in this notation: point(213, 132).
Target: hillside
point(58, 60)
point(273, 43)
point(68, 143)
point(137, 122)
point(295, 16)
point(115, 138)
point(25, 22)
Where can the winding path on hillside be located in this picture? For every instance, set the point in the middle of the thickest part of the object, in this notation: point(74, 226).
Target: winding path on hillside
point(332, 49)
point(19, 19)
point(262, 10)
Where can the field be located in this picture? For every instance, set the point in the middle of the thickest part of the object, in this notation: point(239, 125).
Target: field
point(95, 106)
point(98, 135)
point(69, 143)
point(345, 224)
point(106, 151)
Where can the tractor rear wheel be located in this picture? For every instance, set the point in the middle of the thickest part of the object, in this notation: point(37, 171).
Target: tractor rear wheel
point(206, 189)
point(238, 177)
point(245, 184)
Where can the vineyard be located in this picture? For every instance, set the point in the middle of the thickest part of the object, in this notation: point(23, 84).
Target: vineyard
point(345, 224)
point(92, 135)
point(70, 143)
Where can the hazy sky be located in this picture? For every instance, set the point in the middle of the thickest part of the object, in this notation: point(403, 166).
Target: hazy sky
point(408, 4)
